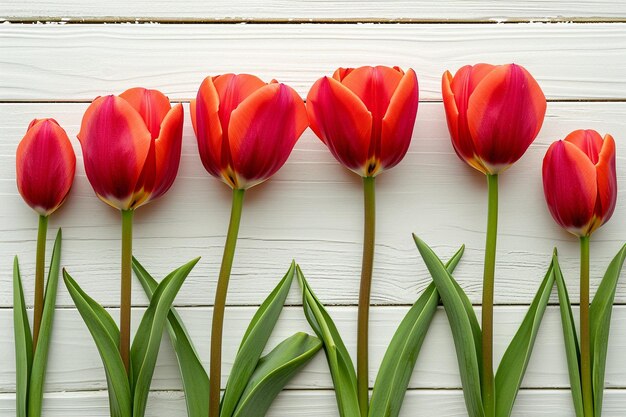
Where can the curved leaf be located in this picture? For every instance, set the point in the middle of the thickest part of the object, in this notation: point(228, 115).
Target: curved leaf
point(147, 340)
point(515, 360)
point(23, 344)
point(339, 361)
point(572, 350)
point(106, 336)
point(462, 329)
point(600, 323)
point(399, 361)
point(254, 341)
point(194, 377)
point(274, 371)
point(40, 360)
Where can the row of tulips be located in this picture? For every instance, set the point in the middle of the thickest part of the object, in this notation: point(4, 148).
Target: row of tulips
point(246, 129)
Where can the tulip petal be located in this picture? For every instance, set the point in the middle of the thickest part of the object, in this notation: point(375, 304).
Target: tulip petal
point(589, 141)
point(115, 143)
point(232, 90)
point(207, 126)
point(374, 86)
point(607, 180)
point(456, 93)
point(167, 149)
point(152, 105)
point(45, 166)
point(505, 113)
point(341, 120)
point(263, 130)
point(399, 121)
point(569, 181)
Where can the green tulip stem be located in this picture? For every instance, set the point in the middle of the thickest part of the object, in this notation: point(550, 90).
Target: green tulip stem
point(364, 294)
point(220, 303)
point(487, 382)
point(585, 347)
point(39, 277)
point(125, 299)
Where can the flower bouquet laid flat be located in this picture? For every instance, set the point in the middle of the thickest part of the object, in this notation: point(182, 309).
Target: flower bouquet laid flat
point(246, 130)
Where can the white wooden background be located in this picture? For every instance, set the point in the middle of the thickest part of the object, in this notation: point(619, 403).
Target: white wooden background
point(55, 56)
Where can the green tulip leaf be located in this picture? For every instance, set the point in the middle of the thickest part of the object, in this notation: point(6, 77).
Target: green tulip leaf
point(572, 349)
point(600, 323)
point(147, 340)
point(106, 335)
point(40, 359)
point(399, 361)
point(194, 377)
point(463, 331)
point(515, 360)
point(337, 356)
point(23, 343)
point(253, 343)
point(272, 373)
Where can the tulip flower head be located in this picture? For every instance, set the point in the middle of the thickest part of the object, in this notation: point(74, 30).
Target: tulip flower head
point(131, 146)
point(365, 116)
point(45, 166)
point(246, 128)
point(494, 113)
point(580, 181)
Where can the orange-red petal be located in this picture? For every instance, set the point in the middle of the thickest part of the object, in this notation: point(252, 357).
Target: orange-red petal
point(167, 150)
point(341, 120)
point(399, 121)
point(263, 130)
point(505, 113)
point(607, 180)
point(207, 126)
point(589, 141)
point(45, 166)
point(115, 144)
point(152, 105)
point(570, 187)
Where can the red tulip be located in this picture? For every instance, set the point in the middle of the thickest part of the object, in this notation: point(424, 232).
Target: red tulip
point(494, 113)
point(365, 116)
point(131, 146)
point(45, 166)
point(246, 128)
point(580, 182)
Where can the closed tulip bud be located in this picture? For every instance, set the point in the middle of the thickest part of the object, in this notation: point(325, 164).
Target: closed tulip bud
point(580, 181)
point(494, 113)
point(45, 166)
point(131, 146)
point(365, 116)
point(246, 128)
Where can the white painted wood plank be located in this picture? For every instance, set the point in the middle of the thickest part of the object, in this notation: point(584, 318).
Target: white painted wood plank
point(311, 211)
point(75, 365)
point(530, 403)
point(70, 62)
point(285, 10)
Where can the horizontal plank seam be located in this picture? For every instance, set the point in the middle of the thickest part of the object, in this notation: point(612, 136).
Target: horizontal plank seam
point(264, 21)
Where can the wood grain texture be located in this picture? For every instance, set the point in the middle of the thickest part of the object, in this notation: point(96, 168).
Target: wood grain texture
point(286, 10)
point(311, 211)
point(530, 403)
point(436, 366)
point(72, 62)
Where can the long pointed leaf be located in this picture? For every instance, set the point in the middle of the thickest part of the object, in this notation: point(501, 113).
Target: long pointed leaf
point(572, 350)
point(339, 361)
point(515, 360)
point(40, 360)
point(23, 343)
point(194, 377)
point(397, 365)
point(274, 371)
point(461, 326)
point(106, 336)
point(254, 341)
point(600, 323)
point(147, 341)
